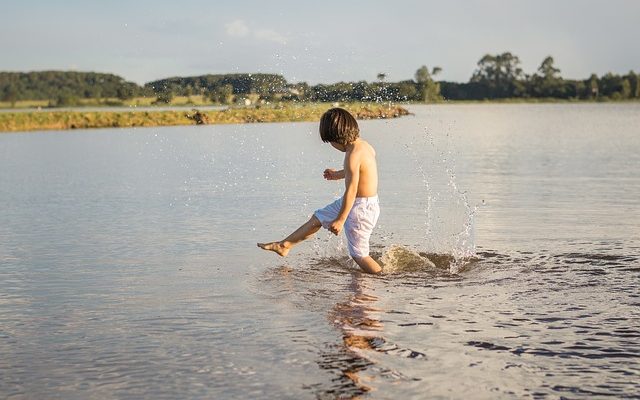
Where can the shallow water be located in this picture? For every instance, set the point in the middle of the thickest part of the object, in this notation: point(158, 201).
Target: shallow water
point(128, 265)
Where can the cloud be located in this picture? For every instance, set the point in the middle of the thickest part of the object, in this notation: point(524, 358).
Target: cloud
point(237, 28)
point(270, 36)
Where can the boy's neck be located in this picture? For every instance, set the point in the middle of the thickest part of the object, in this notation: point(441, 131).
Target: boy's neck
point(345, 147)
point(349, 146)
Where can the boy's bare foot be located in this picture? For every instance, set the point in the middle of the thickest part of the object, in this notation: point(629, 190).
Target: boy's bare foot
point(276, 247)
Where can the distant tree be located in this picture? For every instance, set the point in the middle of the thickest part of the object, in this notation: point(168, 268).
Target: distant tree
point(457, 90)
point(625, 89)
point(548, 70)
point(547, 81)
point(634, 82)
point(65, 99)
point(125, 92)
point(593, 86)
point(362, 91)
point(47, 85)
point(407, 91)
point(266, 86)
point(573, 89)
point(428, 89)
point(381, 89)
point(93, 92)
point(222, 94)
point(10, 94)
point(613, 86)
point(423, 75)
point(343, 91)
point(297, 92)
point(164, 96)
point(500, 75)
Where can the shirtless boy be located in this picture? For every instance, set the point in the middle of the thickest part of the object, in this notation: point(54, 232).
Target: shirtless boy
point(358, 209)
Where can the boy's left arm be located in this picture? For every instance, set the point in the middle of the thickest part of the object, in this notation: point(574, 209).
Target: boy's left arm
point(351, 177)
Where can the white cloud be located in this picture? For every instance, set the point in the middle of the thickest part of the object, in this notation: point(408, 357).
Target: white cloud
point(270, 36)
point(237, 28)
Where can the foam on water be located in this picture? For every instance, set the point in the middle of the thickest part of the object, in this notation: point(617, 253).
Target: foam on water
point(399, 259)
point(402, 259)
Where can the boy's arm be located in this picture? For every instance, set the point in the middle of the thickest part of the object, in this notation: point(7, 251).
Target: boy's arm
point(351, 176)
point(333, 175)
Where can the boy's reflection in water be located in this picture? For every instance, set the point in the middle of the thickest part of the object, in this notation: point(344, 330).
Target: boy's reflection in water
point(355, 317)
point(361, 330)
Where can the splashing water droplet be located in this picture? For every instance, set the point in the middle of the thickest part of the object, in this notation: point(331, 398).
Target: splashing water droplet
point(449, 218)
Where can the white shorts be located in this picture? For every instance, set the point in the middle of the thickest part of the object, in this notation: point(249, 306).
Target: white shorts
point(359, 224)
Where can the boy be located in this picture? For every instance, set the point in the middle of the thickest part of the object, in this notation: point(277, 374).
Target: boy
point(357, 210)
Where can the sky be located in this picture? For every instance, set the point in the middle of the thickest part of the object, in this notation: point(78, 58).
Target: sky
point(316, 41)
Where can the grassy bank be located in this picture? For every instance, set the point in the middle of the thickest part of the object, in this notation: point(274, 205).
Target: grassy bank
point(47, 120)
point(195, 100)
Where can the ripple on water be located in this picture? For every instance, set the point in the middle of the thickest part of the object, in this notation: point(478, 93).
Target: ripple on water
point(546, 323)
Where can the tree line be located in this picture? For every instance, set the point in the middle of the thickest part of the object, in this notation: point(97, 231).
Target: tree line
point(497, 76)
point(501, 77)
point(224, 88)
point(65, 87)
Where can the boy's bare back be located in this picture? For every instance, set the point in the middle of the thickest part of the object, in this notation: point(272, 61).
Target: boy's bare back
point(362, 157)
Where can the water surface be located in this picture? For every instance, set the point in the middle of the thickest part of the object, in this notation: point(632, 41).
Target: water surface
point(128, 265)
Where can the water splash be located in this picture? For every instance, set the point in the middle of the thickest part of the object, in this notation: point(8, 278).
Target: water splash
point(402, 259)
point(398, 259)
point(455, 236)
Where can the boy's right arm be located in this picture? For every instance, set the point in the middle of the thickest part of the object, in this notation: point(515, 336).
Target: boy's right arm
point(333, 175)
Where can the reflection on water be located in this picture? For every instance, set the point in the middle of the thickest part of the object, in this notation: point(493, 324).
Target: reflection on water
point(356, 318)
point(548, 326)
point(359, 329)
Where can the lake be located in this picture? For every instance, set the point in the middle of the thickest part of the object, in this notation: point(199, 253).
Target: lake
point(129, 266)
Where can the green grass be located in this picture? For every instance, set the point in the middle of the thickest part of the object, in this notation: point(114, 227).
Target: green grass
point(59, 120)
point(108, 102)
point(25, 104)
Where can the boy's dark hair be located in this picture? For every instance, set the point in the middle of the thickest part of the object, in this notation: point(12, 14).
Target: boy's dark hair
point(338, 125)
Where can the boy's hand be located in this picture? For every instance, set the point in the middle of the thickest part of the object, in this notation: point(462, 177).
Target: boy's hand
point(336, 226)
point(332, 175)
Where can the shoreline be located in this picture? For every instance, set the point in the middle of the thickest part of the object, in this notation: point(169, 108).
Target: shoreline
point(69, 120)
point(147, 104)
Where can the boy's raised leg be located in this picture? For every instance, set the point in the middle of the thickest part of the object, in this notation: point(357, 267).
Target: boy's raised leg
point(304, 232)
point(368, 265)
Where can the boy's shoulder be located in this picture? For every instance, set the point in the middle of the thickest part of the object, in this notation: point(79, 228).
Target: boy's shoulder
point(366, 147)
point(362, 152)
